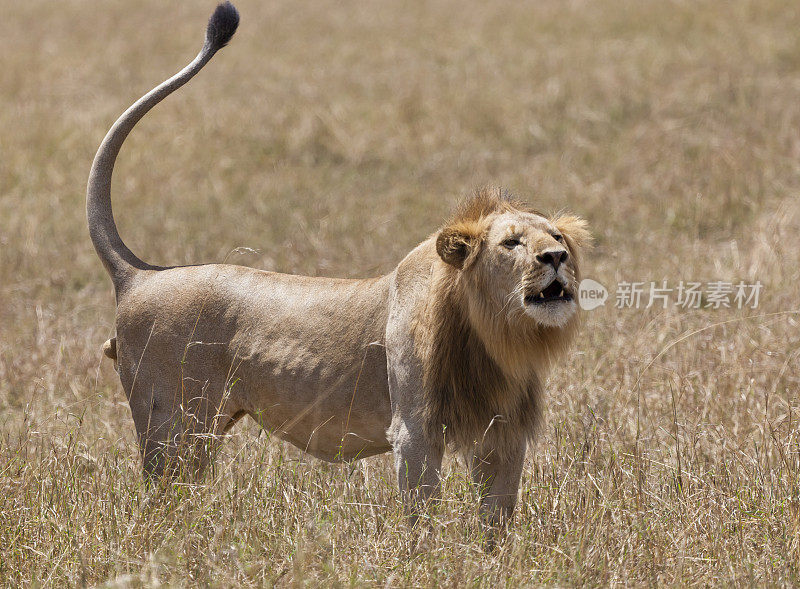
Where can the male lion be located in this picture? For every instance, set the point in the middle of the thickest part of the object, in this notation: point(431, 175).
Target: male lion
point(450, 348)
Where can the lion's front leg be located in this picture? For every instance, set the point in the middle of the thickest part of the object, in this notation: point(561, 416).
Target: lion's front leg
point(497, 477)
point(418, 462)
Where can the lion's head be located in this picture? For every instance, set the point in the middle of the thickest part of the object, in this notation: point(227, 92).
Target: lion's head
point(503, 306)
point(517, 261)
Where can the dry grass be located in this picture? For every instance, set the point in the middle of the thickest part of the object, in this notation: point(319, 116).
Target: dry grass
point(332, 137)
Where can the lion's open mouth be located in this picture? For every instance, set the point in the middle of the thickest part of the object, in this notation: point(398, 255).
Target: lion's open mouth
point(554, 291)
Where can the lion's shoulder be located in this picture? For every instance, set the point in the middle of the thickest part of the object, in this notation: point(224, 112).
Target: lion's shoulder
point(410, 286)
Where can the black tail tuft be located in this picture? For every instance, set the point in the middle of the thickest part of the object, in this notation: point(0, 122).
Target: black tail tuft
point(222, 25)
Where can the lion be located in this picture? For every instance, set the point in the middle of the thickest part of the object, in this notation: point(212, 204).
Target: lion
point(449, 350)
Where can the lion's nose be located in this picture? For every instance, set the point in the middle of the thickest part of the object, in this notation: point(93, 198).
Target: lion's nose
point(553, 257)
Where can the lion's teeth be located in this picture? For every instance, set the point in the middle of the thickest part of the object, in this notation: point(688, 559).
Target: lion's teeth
point(541, 295)
point(562, 293)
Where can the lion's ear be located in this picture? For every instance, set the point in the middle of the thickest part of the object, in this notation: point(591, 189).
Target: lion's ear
point(575, 230)
point(457, 244)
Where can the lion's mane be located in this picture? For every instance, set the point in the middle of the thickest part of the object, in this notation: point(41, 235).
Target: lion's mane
point(484, 369)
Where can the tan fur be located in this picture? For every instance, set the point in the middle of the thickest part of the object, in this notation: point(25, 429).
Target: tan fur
point(451, 347)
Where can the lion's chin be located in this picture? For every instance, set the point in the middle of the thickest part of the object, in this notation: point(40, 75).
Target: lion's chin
point(551, 314)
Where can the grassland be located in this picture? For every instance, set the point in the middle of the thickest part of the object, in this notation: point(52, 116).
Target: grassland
point(330, 138)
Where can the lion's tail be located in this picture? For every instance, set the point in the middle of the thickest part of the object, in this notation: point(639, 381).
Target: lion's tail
point(119, 261)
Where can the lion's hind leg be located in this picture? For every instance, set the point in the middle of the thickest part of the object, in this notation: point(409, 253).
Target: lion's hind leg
point(179, 425)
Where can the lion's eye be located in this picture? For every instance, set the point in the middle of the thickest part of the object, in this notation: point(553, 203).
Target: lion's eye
point(511, 243)
point(558, 237)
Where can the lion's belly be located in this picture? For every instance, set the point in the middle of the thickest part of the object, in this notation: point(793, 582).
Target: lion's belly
point(334, 410)
point(313, 367)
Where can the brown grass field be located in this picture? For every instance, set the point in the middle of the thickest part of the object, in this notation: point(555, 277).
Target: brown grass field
point(329, 139)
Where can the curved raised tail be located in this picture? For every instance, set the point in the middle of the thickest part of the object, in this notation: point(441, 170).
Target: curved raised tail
point(119, 261)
